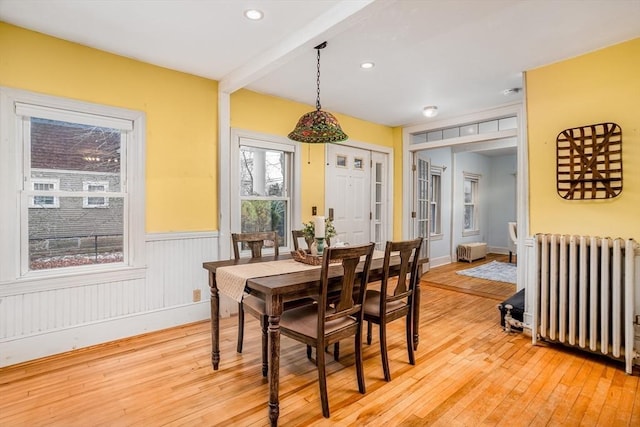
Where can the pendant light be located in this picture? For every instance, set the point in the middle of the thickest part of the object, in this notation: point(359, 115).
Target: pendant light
point(318, 126)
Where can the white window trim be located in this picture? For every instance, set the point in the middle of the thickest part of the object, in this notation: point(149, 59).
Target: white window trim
point(14, 102)
point(244, 137)
point(105, 189)
point(474, 177)
point(56, 187)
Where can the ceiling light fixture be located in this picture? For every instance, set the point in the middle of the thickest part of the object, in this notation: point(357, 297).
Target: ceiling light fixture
point(253, 14)
point(318, 126)
point(430, 111)
point(367, 65)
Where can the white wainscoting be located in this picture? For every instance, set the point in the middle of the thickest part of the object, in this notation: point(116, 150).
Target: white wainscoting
point(43, 323)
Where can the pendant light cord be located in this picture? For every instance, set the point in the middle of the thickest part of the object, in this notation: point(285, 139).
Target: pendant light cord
point(320, 46)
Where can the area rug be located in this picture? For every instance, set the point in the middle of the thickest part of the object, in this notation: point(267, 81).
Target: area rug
point(495, 270)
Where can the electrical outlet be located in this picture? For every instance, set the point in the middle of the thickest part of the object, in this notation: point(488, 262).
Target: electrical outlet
point(197, 295)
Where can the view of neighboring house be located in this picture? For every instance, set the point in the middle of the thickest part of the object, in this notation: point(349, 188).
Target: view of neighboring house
point(65, 228)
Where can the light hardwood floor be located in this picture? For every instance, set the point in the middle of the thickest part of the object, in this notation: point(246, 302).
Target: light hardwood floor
point(468, 373)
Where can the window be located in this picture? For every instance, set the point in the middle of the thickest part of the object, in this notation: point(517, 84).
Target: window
point(435, 194)
point(70, 155)
point(39, 185)
point(92, 187)
point(471, 182)
point(264, 190)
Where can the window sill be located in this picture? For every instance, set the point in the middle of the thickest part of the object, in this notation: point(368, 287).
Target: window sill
point(434, 237)
point(51, 281)
point(468, 233)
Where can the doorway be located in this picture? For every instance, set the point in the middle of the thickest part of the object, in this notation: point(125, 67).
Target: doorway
point(464, 196)
point(358, 194)
point(498, 129)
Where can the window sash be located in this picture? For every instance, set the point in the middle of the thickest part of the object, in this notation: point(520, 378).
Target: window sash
point(283, 228)
point(44, 197)
point(95, 201)
point(470, 205)
point(14, 111)
point(27, 250)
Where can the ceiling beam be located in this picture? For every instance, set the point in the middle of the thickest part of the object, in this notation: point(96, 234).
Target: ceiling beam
point(331, 22)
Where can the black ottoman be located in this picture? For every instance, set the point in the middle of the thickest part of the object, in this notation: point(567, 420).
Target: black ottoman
point(517, 312)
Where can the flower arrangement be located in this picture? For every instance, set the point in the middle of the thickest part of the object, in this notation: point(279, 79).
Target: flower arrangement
point(309, 229)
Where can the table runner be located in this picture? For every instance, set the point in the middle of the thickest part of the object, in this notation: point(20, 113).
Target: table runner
point(231, 280)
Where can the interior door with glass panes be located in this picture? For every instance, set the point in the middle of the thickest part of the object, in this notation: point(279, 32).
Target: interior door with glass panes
point(379, 199)
point(421, 212)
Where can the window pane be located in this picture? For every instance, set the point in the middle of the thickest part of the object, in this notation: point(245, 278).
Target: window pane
point(265, 215)
point(72, 152)
point(70, 235)
point(262, 172)
point(434, 219)
point(468, 218)
point(44, 201)
point(467, 191)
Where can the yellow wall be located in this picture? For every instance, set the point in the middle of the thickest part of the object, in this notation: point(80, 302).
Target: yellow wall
point(277, 116)
point(602, 86)
point(181, 113)
point(182, 123)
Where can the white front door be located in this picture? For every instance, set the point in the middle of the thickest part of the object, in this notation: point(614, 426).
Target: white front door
point(348, 192)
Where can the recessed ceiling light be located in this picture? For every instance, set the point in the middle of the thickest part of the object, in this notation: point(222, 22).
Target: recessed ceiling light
point(367, 65)
point(430, 111)
point(253, 14)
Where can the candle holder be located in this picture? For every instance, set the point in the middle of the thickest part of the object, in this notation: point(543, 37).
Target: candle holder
point(320, 245)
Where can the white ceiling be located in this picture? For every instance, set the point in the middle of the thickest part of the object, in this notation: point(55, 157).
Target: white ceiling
point(458, 55)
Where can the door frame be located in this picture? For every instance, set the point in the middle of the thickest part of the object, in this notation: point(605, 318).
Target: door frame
point(522, 179)
point(388, 227)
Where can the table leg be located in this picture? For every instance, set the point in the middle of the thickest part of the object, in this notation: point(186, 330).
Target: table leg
point(215, 322)
point(274, 363)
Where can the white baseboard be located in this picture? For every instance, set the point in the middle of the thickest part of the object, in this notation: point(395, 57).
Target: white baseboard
point(435, 262)
point(25, 348)
point(498, 250)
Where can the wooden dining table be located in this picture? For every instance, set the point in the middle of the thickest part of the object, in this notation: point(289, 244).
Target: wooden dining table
point(275, 290)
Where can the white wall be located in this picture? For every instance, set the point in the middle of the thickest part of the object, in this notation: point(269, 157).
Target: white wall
point(39, 324)
point(467, 162)
point(503, 200)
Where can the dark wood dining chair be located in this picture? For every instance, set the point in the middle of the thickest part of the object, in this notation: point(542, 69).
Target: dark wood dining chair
point(251, 304)
point(394, 302)
point(333, 319)
point(297, 235)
